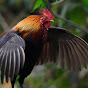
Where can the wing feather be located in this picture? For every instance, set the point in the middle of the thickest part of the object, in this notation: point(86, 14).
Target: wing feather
point(11, 49)
point(3, 66)
point(22, 56)
point(61, 53)
point(1, 55)
point(18, 61)
point(63, 46)
point(81, 54)
point(83, 49)
point(66, 55)
point(12, 70)
point(75, 56)
point(71, 58)
point(8, 65)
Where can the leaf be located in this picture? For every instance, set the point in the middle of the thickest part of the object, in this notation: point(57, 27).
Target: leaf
point(42, 6)
point(37, 4)
point(85, 2)
point(41, 3)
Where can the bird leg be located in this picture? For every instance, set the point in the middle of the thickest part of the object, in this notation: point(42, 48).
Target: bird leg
point(21, 81)
point(12, 82)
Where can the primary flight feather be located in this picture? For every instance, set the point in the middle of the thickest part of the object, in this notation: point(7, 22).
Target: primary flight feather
point(32, 41)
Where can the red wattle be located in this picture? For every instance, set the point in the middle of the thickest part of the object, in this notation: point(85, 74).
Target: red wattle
point(47, 24)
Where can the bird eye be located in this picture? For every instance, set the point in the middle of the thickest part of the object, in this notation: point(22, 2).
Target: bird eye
point(44, 17)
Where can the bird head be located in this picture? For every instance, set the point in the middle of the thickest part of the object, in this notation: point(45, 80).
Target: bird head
point(46, 18)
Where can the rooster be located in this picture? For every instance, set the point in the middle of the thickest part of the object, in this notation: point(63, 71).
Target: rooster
point(33, 41)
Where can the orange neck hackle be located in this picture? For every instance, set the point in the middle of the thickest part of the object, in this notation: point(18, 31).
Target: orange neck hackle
point(29, 26)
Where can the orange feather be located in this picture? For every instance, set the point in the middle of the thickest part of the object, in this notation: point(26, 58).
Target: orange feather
point(30, 26)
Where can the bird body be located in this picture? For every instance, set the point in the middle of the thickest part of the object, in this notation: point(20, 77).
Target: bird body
point(32, 41)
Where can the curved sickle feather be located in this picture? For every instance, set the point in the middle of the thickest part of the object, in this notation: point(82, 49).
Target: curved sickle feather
point(64, 46)
point(11, 55)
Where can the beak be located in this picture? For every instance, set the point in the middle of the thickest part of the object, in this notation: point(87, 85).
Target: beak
point(51, 20)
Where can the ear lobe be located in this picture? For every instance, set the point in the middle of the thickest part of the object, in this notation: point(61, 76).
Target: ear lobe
point(47, 24)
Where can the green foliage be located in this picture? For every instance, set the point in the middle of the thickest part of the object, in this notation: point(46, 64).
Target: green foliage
point(75, 32)
point(78, 15)
point(85, 37)
point(41, 3)
point(85, 3)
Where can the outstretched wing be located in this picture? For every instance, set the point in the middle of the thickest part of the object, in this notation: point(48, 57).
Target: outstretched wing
point(12, 55)
point(67, 48)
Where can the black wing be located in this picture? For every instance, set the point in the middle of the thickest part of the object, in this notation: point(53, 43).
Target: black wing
point(67, 48)
point(12, 55)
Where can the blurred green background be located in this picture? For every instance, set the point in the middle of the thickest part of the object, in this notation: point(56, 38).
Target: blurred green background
point(69, 14)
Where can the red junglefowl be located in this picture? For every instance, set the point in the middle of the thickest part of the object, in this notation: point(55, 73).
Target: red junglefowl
point(32, 41)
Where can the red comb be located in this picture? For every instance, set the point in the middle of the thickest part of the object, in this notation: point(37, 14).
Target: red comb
point(46, 12)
